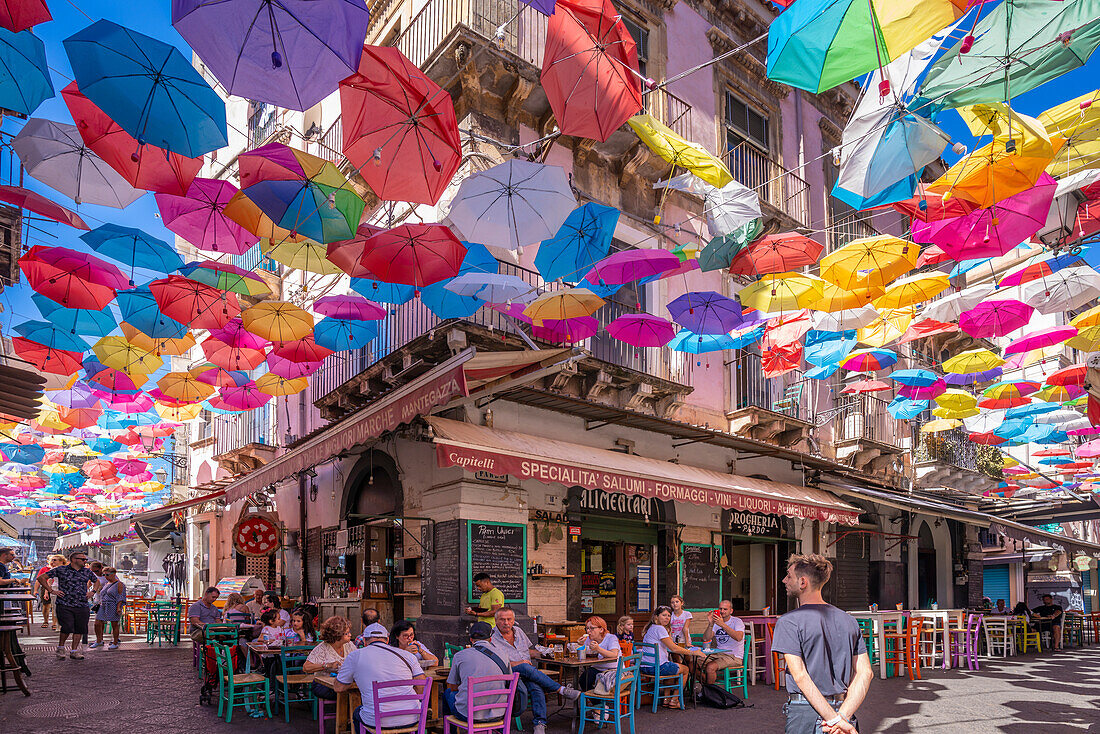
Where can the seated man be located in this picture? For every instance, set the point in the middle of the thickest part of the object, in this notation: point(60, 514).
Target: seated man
point(371, 627)
point(728, 635)
point(1000, 608)
point(514, 646)
point(1048, 616)
point(377, 661)
point(202, 613)
point(477, 661)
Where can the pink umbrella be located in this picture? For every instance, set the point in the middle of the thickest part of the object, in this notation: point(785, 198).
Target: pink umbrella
point(349, 307)
point(924, 392)
point(1089, 449)
point(515, 310)
point(995, 318)
point(642, 330)
point(199, 217)
point(1090, 431)
point(245, 397)
point(864, 386)
point(683, 269)
point(626, 266)
point(566, 331)
point(234, 335)
point(993, 231)
point(130, 467)
point(138, 403)
point(1041, 338)
point(290, 370)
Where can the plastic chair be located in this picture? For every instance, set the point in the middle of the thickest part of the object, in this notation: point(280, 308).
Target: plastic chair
point(964, 642)
point(733, 678)
point(291, 659)
point(1026, 636)
point(903, 647)
point(163, 624)
point(481, 695)
point(239, 690)
point(660, 683)
point(403, 706)
point(999, 638)
point(619, 703)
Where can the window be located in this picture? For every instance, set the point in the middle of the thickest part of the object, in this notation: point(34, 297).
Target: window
point(743, 123)
point(641, 40)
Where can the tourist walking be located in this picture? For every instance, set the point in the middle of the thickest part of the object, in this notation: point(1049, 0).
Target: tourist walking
point(111, 599)
point(75, 586)
point(43, 589)
point(828, 670)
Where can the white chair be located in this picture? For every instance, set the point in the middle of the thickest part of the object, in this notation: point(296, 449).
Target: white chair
point(1000, 637)
point(931, 640)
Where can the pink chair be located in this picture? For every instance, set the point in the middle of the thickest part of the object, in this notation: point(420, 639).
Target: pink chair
point(322, 717)
point(476, 690)
point(964, 642)
point(419, 708)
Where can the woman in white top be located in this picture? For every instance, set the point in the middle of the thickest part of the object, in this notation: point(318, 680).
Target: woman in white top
point(601, 644)
point(656, 633)
point(679, 625)
point(329, 655)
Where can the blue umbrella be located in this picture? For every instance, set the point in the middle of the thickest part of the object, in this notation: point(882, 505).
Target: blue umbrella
point(1048, 461)
point(74, 320)
point(583, 240)
point(692, 343)
point(24, 75)
point(49, 335)
point(828, 347)
point(148, 88)
point(140, 310)
point(447, 304)
point(1031, 409)
point(824, 372)
point(134, 248)
point(105, 445)
point(343, 334)
point(1014, 428)
point(914, 377)
point(67, 482)
point(376, 290)
point(905, 409)
point(23, 453)
point(750, 337)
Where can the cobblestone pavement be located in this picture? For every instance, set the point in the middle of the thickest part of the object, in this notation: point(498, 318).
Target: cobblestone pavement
point(155, 691)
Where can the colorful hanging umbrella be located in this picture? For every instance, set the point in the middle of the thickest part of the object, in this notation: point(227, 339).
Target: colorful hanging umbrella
point(49, 335)
point(566, 331)
point(869, 360)
point(642, 330)
point(692, 343)
point(864, 386)
point(912, 290)
point(300, 254)
point(775, 293)
point(349, 307)
point(47, 359)
point(245, 397)
point(1075, 374)
point(973, 360)
point(834, 298)
point(226, 277)
point(956, 400)
point(1041, 338)
point(399, 127)
point(1039, 269)
point(1065, 290)
point(391, 293)
point(995, 318)
point(491, 287)
point(869, 262)
point(148, 88)
point(776, 253)
point(559, 305)
point(24, 74)
point(277, 321)
point(88, 322)
point(19, 15)
point(199, 217)
point(590, 69)
point(119, 354)
point(679, 152)
point(133, 247)
point(289, 370)
point(275, 385)
point(184, 386)
point(890, 325)
point(159, 346)
point(72, 279)
point(218, 376)
point(477, 263)
point(288, 53)
point(627, 266)
point(414, 254)
point(581, 241)
point(512, 204)
point(300, 192)
point(706, 312)
point(721, 250)
point(346, 254)
point(196, 304)
point(343, 334)
point(231, 356)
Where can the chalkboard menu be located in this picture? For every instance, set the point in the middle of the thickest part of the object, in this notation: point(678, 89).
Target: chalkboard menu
point(439, 566)
point(500, 550)
point(700, 581)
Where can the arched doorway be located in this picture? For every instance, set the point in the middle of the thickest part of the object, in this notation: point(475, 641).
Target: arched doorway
point(927, 586)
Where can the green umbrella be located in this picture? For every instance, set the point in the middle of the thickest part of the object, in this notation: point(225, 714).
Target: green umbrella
point(720, 250)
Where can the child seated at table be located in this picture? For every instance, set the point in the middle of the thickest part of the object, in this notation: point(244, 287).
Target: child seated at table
point(624, 630)
point(270, 633)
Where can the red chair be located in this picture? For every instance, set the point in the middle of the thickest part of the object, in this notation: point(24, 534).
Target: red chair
point(779, 663)
point(903, 646)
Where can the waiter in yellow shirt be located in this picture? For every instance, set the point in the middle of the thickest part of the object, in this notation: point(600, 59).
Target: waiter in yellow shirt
point(492, 599)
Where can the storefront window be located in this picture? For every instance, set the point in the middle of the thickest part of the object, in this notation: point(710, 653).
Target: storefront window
point(617, 578)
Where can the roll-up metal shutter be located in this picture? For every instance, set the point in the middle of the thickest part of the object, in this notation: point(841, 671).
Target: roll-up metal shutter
point(995, 584)
point(851, 572)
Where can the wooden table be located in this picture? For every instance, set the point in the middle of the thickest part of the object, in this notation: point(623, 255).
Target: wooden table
point(945, 619)
point(438, 675)
point(577, 666)
point(346, 701)
point(262, 650)
point(880, 620)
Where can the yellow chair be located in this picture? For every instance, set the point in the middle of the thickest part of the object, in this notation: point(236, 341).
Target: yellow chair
point(1024, 635)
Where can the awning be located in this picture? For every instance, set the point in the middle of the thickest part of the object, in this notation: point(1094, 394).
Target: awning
point(145, 523)
point(476, 448)
point(106, 532)
point(466, 373)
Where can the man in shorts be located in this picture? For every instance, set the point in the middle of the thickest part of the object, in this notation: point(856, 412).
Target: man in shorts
point(76, 584)
point(728, 635)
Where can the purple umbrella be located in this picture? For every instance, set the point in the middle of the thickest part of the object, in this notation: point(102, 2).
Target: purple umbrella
point(922, 392)
point(566, 331)
point(349, 307)
point(969, 378)
point(289, 53)
point(234, 334)
point(199, 218)
point(288, 370)
point(706, 312)
point(78, 396)
point(993, 231)
point(642, 330)
point(627, 266)
point(995, 318)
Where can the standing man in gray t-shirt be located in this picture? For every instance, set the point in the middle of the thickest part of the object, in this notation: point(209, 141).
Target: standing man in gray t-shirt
point(828, 670)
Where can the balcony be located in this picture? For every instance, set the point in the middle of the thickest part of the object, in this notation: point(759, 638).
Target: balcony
point(244, 441)
point(867, 437)
point(669, 109)
point(773, 409)
point(785, 192)
point(951, 459)
point(263, 123)
point(851, 225)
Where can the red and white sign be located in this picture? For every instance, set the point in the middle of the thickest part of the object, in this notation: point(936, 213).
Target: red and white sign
point(550, 472)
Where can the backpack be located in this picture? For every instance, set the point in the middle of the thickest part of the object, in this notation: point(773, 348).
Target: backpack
point(717, 697)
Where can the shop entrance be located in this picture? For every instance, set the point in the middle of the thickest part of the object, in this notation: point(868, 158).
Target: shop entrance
point(616, 577)
point(926, 567)
point(752, 579)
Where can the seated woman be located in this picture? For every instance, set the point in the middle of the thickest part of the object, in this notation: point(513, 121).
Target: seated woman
point(329, 655)
point(403, 635)
point(657, 633)
point(235, 610)
point(605, 646)
point(301, 628)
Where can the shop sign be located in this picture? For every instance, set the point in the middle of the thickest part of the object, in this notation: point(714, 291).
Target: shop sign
point(574, 529)
point(754, 523)
point(485, 476)
point(596, 500)
point(607, 583)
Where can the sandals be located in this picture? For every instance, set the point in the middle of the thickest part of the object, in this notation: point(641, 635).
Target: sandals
point(670, 705)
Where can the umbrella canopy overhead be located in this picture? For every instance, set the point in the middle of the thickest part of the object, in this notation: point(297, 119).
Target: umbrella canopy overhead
point(414, 254)
point(706, 312)
point(590, 69)
point(277, 321)
point(776, 253)
point(679, 152)
point(133, 247)
point(72, 279)
point(289, 53)
point(627, 266)
point(29, 200)
point(198, 305)
point(199, 217)
point(19, 15)
point(24, 75)
point(727, 208)
point(995, 318)
point(582, 240)
point(869, 262)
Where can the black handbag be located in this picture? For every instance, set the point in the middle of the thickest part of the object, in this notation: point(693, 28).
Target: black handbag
point(719, 698)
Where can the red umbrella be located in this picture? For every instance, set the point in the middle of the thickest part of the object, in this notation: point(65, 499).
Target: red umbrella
point(589, 69)
point(231, 357)
point(32, 202)
point(47, 359)
point(73, 279)
point(779, 360)
point(19, 15)
point(346, 254)
point(776, 253)
point(99, 469)
point(80, 417)
point(987, 439)
point(144, 166)
point(933, 207)
point(932, 255)
point(300, 350)
point(1072, 375)
point(926, 327)
point(399, 120)
point(196, 304)
point(414, 254)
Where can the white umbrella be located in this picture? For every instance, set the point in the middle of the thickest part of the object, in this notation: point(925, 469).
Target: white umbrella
point(950, 307)
point(55, 154)
point(726, 208)
point(985, 421)
point(853, 318)
point(513, 204)
point(1059, 417)
point(492, 287)
point(1064, 290)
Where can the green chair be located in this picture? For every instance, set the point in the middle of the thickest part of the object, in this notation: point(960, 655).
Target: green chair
point(239, 690)
point(1073, 629)
point(449, 650)
point(733, 678)
point(654, 683)
point(867, 628)
point(163, 624)
point(291, 659)
point(226, 634)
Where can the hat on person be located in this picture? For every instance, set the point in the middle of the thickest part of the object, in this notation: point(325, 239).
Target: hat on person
point(480, 631)
point(375, 630)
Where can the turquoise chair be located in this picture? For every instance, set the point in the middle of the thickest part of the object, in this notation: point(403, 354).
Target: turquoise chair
point(163, 624)
point(291, 679)
point(239, 690)
point(867, 629)
point(620, 703)
point(734, 678)
point(654, 682)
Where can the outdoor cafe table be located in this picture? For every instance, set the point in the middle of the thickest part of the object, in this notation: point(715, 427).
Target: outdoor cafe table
point(574, 665)
point(880, 619)
point(262, 650)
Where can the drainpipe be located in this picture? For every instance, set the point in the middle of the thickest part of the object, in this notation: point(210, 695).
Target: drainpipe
point(303, 572)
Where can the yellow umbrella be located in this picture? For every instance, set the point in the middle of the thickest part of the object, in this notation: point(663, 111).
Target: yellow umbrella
point(834, 298)
point(83, 450)
point(1008, 461)
point(60, 469)
point(274, 385)
point(178, 414)
point(1087, 339)
point(1037, 355)
point(891, 324)
point(954, 414)
point(184, 386)
point(1055, 394)
point(679, 152)
point(870, 262)
point(913, 290)
point(277, 321)
point(972, 360)
point(300, 254)
point(50, 419)
point(1086, 319)
point(116, 352)
point(782, 292)
point(1078, 121)
point(937, 426)
point(955, 399)
point(567, 303)
point(159, 347)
